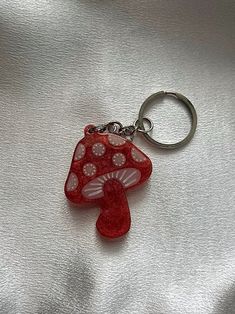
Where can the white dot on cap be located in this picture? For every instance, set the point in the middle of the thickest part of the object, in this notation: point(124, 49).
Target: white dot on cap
point(80, 152)
point(119, 159)
point(98, 149)
point(72, 182)
point(116, 140)
point(89, 169)
point(137, 156)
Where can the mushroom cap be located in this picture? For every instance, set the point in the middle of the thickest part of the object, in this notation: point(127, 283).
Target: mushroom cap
point(100, 157)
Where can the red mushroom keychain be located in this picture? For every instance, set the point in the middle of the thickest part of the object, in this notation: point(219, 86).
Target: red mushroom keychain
point(106, 164)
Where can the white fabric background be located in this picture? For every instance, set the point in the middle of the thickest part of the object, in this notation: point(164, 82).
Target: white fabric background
point(67, 63)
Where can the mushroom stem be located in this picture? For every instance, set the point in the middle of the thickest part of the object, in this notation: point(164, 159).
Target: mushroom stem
point(114, 220)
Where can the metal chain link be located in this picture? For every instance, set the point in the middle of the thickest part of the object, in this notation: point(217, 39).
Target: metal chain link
point(116, 127)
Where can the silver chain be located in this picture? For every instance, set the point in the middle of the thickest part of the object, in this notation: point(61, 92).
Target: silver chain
point(116, 127)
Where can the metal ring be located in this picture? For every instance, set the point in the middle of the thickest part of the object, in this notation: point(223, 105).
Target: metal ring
point(188, 105)
point(114, 126)
point(143, 130)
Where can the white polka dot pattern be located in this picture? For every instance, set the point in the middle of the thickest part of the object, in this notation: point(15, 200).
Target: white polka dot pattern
point(80, 152)
point(116, 140)
point(72, 182)
point(89, 169)
point(137, 156)
point(98, 149)
point(119, 159)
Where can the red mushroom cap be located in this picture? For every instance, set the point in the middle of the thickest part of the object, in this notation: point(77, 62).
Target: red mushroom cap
point(101, 162)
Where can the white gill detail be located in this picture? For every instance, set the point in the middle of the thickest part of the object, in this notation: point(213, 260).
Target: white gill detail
point(93, 188)
point(123, 174)
point(127, 177)
point(100, 180)
point(131, 177)
point(89, 169)
point(106, 177)
point(119, 159)
point(96, 183)
point(137, 156)
point(116, 140)
point(96, 193)
point(80, 152)
point(72, 182)
point(130, 182)
point(98, 149)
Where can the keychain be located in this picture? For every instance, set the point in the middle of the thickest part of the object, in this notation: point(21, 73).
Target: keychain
point(106, 164)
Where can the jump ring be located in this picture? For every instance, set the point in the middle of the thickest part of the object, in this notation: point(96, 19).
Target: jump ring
point(143, 130)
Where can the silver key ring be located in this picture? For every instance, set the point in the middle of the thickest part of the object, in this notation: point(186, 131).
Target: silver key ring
point(185, 102)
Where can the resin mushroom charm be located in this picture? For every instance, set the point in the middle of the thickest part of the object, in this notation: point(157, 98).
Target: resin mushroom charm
point(103, 168)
